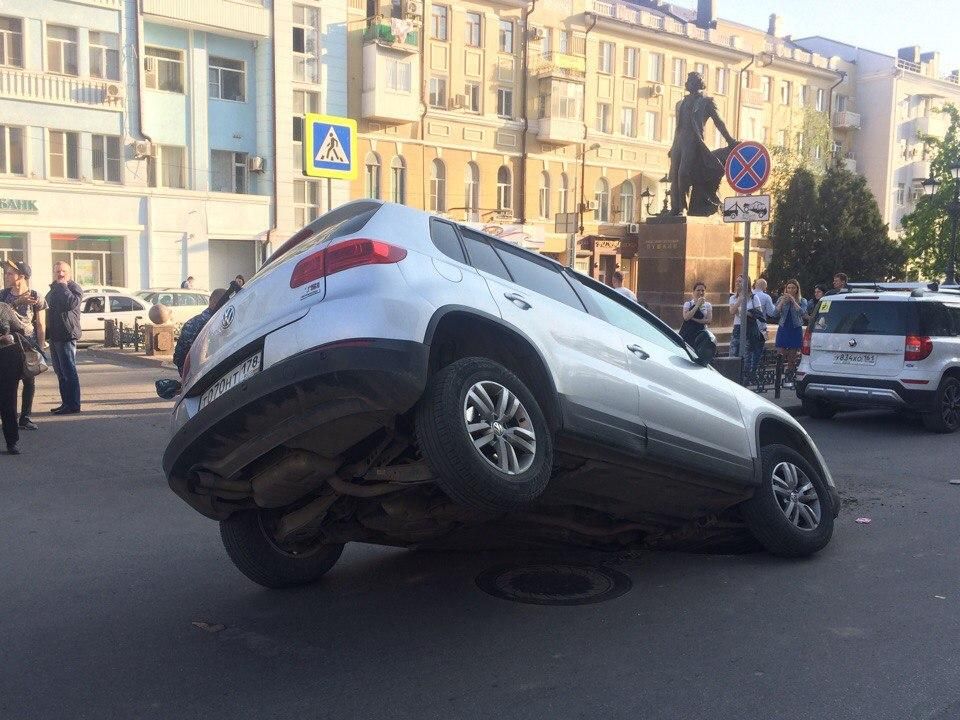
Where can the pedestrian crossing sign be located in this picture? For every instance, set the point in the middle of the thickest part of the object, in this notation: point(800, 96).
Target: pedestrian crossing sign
point(329, 147)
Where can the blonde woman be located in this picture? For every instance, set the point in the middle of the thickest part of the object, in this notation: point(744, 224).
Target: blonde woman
point(791, 308)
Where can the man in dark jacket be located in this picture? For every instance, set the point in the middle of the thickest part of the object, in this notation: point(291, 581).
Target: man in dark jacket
point(63, 332)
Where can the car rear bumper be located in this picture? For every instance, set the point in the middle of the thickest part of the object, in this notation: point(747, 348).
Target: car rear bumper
point(865, 392)
point(324, 398)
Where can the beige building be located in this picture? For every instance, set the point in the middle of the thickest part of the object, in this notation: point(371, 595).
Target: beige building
point(507, 113)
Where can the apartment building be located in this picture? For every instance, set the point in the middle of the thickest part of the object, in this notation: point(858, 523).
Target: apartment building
point(134, 143)
point(506, 113)
point(900, 96)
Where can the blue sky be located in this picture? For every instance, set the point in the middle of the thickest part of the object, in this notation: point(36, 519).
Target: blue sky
point(881, 25)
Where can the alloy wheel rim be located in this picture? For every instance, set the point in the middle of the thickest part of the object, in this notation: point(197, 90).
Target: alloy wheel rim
point(951, 405)
point(796, 495)
point(499, 427)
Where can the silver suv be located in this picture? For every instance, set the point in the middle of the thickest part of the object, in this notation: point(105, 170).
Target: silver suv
point(880, 347)
point(393, 377)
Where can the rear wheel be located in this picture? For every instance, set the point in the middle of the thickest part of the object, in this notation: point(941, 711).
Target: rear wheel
point(791, 512)
point(484, 436)
point(250, 540)
point(946, 418)
point(819, 409)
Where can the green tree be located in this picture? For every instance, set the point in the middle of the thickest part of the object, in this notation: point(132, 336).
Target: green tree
point(926, 231)
point(795, 230)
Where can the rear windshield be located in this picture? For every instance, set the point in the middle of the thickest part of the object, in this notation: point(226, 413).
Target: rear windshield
point(864, 317)
point(345, 220)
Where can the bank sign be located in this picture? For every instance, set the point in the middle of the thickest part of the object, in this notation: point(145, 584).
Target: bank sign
point(10, 205)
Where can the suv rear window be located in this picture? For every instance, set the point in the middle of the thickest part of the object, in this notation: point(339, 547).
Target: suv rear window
point(345, 220)
point(864, 317)
point(939, 320)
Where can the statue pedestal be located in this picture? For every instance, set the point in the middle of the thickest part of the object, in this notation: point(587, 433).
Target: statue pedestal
point(675, 252)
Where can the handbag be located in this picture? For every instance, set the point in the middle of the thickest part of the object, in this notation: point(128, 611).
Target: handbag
point(34, 362)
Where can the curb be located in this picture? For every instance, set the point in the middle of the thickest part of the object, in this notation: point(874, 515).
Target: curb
point(121, 357)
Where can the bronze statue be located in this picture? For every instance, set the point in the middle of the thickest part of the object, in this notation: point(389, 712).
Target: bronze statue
point(693, 166)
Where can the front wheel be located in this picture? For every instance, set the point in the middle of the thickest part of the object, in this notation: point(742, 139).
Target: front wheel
point(791, 512)
point(819, 409)
point(250, 541)
point(946, 418)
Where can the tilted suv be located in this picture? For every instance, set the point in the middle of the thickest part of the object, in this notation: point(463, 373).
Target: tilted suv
point(896, 349)
point(391, 377)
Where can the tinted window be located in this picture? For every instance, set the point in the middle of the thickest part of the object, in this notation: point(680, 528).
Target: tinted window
point(954, 311)
point(624, 314)
point(482, 256)
point(935, 320)
point(863, 317)
point(540, 276)
point(166, 299)
point(444, 236)
point(124, 304)
point(93, 305)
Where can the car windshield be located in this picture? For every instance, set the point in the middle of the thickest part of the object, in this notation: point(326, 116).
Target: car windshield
point(863, 317)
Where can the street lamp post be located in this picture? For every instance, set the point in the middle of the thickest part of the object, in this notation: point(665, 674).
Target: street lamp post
point(930, 188)
point(665, 184)
point(646, 200)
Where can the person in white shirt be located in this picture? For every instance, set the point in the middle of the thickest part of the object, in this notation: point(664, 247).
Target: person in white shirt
point(697, 314)
point(617, 284)
point(764, 303)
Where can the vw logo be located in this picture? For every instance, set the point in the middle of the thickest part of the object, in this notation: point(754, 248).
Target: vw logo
point(228, 315)
point(852, 343)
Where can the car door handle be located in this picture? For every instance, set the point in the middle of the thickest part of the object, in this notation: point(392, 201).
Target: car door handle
point(518, 300)
point(101, 319)
point(638, 351)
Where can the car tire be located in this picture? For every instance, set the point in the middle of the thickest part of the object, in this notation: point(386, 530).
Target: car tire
point(252, 549)
point(946, 418)
point(488, 463)
point(818, 409)
point(784, 529)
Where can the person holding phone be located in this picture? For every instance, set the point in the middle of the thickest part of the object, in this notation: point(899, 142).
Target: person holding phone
point(697, 314)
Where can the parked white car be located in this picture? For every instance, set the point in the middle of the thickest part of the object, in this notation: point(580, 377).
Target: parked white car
point(183, 304)
point(97, 308)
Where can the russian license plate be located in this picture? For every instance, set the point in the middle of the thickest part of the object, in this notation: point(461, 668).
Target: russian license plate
point(247, 369)
point(854, 359)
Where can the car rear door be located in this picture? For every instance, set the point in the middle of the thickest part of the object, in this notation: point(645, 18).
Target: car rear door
point(126, 310)
point(861, 336)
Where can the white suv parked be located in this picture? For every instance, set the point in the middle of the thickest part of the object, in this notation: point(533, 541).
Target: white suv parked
point(885, 348)
point(392, 377)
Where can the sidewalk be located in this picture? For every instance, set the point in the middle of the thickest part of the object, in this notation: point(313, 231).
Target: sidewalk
point(128, 356)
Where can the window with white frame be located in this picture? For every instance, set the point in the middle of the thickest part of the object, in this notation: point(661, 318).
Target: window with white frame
point(601, 196)
point(504, 188)
point(506, 36)
point(631, 62)
point(604, 117)
point(62, 50)
point(505, 102)
point(473, 29)
point(11, 41)
point(472, 92)
point(438, 92)
point(544, 195)
point(169, 168)
point(64, 160)
point(439, 22)
point(563, 193)
point(303, 102)
point(605, 58)
point(701, 70)
point(227, 79)
point(372, 176)
point(398, 181)
point(799, 142)
point(804, 95)
point(651, 126)
point(471, 191)
point(766, 87)
point(655, 67)
point(821, 105)
point(438, 186)
point(723, 76)
point(786, 90)
point(306, 31)
point(672, 126)
point(104, 55)
point(546, 41)
point(781, 138)
point(11, 150)
point(679, 72)
point(306, 201)
point(399, 74)
point(163, 69)
point(228, 171)
point(628, 195)
point(901, 194)
point(628, 121)
point(105, 156)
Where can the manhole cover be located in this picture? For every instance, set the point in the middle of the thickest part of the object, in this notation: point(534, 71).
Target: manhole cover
point(551, 584)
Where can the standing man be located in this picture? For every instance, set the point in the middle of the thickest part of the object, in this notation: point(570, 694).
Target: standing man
point(29, 306)
point(191, 328)
point(765, 308)
point(187, 284)
point(63, 330)
point(617, 284)
point(839, 284)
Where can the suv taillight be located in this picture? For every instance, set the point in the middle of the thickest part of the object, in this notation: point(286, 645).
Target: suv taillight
point(917, 347)
point(343, 256)
point(807, 338)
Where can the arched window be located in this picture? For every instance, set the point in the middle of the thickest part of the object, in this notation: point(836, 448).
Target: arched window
point(563, 193)
point(398, 180)
point(372, 175)
point(472, 192)
point(438, 186)
point(504, 188)
point(628, 202)
point(602, 197)
point(545, 195)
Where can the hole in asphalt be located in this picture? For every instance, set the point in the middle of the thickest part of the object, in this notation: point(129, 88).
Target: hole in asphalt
point(554, 583)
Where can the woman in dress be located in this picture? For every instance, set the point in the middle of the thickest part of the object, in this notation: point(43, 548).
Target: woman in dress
point(791, 308)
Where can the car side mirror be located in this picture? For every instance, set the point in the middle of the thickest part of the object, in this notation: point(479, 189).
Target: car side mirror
point(705, 347)
point(168, 389)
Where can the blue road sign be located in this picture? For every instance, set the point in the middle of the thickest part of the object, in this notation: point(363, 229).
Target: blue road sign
point(748, 167)
point(330, 146)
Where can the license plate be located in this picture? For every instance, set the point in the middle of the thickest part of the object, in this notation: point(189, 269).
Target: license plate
point(247, 369)
point(854, 359)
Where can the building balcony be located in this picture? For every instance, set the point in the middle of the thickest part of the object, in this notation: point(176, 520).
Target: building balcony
point(391, 80)
point(17, 84)
point(108, 4)
point(917, 170)
point(560, 131)
point(936, 125)
point(246, 17)
point(396, 35)
point(561, 65)
point(846, 120)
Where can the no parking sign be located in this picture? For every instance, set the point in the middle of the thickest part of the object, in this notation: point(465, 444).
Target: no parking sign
point(748, 167)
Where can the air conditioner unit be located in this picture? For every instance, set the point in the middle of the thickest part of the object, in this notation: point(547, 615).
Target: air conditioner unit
point(589, 205)
point(633, 228)
point(458, 102)
point(536, 33)
point(112, 91)
point(144, 149)
point(414, 8)
point(256, 164)
point(656, 89)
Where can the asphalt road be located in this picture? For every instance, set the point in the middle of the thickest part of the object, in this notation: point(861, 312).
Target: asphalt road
point(103, 571)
